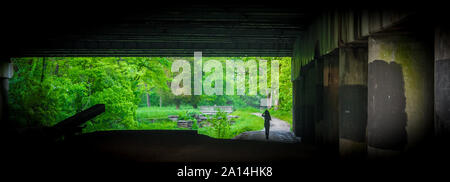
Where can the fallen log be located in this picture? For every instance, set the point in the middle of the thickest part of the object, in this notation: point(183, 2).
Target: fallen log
point(81, 117)
point(67, 127)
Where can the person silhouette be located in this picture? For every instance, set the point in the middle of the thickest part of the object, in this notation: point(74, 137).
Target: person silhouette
point(267, 119)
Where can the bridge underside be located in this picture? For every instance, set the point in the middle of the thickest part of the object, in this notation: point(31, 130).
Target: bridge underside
point(366, 83)
point(229, 30)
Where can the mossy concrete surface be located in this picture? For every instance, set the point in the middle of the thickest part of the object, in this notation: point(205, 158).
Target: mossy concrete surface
point(413, 54)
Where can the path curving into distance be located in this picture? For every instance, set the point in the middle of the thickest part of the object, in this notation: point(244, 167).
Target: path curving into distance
point(279, 132)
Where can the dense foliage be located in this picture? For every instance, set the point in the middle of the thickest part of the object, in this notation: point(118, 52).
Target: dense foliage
point(44, 91)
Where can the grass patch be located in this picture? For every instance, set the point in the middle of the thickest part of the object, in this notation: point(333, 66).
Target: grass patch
point(159, 125)
point(160, 112)
point(246, 121)
point(249, 109)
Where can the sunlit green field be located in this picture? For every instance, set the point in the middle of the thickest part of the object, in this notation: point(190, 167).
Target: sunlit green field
point(155, 118)
point(161, 112)
point(159, 125)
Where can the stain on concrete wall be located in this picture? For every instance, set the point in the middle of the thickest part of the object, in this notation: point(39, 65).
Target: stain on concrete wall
point(442, 94)
point(353, 93)
point(353, 112)
point(386, 106)
point(413, 52)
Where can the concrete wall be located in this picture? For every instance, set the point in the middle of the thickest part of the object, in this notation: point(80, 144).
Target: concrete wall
point(333, 96)
point(305, 99)
point(6, 72)
point(400, 92)
point(316, 95)
point(353, 100)
point(330, 123)
point(309, 109)
point(334, 28)
point(442, 81)
point(320, 138)
point(387, 88)
point(296, 107)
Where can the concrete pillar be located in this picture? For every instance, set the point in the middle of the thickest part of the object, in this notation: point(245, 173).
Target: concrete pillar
point(330, 123)
point(296, 107)
point(310, 102)
point(304, 98)
point(400, 92)
point(6, 72)
point(320, 128)
point(442, 81)
point(353, 101)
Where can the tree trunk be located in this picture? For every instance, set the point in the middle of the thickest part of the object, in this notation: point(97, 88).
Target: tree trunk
point(43, 69)
point(160, 101)
point(148, 96)
point(56, 69)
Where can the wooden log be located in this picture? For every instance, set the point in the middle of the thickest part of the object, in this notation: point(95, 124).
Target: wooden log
point(72, 125)
point(67, 127)
point(81, 117)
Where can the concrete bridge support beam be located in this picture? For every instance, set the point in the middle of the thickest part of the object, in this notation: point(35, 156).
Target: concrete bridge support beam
point(400, 92)
point(6, 72)
point(353, 101)
point(442, 81)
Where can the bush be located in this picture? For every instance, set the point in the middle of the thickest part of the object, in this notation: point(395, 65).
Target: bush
point(220, 124)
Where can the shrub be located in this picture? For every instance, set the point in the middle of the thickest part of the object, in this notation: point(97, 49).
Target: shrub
point(220, 124)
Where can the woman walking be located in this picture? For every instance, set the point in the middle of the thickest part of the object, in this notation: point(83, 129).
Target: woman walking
point(267, 119)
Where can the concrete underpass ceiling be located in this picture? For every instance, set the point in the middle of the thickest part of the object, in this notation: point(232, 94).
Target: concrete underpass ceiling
point(162, 31)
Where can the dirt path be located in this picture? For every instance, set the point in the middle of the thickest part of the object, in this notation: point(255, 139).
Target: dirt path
point(279, 132)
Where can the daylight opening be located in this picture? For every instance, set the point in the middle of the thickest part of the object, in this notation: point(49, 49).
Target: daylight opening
point(143, 93)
